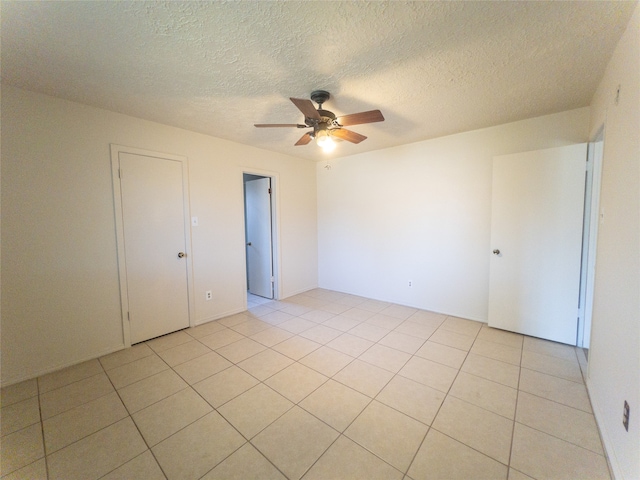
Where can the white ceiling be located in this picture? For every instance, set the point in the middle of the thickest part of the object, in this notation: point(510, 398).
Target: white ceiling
point(432, 68)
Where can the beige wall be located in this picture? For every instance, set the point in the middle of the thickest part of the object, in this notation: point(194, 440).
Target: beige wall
point(422, 212)
point(614, 358)
point(60, 290)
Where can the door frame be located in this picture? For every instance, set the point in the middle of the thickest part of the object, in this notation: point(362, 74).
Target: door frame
point(265, 278)
point(121, 258)
point(590, 237)
point(275, 227)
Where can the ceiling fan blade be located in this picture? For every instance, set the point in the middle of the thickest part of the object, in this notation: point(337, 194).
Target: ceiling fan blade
point(267, 125)
point(348, 135)
point(306, 138)
point(306, 107)
point(359, 118)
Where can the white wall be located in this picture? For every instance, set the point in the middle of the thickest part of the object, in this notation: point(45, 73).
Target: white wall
point(422, 212)
point(614, 357)
point(60, 294)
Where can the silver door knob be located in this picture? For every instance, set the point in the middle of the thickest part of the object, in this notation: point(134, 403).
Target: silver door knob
point(496, 252)
point(182, 255)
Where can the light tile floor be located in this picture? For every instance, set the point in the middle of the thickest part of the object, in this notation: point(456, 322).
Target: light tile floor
point(322, 385)
point(255, 300)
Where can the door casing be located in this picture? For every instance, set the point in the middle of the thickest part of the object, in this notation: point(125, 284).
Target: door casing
point(117, 200)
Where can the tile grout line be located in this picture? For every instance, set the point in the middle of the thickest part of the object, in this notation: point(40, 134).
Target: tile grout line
point(214, 409)
point(44, 445)
point(372, 399)
point(557, 403)
point(294, 404)
point(552, 375)
point(396, 373)
point(446, 394)
point(260, 382)
point(130, 416)
point(48, 454)
point(515, 412)
point(321, 420)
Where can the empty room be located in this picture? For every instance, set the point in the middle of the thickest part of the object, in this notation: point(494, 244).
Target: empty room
point(320, 240)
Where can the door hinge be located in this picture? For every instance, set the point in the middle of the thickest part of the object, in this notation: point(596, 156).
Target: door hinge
point(119, 173)
point(269, 191)
point(128, 317)
point(273, 279)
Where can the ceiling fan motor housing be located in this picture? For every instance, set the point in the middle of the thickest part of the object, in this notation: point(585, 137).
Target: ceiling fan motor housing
point(326, 118)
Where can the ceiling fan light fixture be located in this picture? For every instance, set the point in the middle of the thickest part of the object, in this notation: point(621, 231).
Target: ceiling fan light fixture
point(328, 145)
point(324, 140)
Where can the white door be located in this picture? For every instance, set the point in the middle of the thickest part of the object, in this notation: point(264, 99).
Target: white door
point(258, 221)
point(536, 238)
point(153, 218)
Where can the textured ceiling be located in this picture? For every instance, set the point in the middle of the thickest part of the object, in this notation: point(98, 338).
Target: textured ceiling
point(432, 68)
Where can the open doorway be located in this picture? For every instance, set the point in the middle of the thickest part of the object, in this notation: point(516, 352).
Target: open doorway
point(259, 238)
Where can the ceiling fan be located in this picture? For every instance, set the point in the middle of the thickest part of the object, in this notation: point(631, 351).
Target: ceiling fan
point(324, 123)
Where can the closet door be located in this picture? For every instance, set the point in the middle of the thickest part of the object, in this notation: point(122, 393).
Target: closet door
point(155, 241)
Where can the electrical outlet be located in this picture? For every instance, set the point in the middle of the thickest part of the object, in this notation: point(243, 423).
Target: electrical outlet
point(410, 283)
point(208, 295)
point(625, 416)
